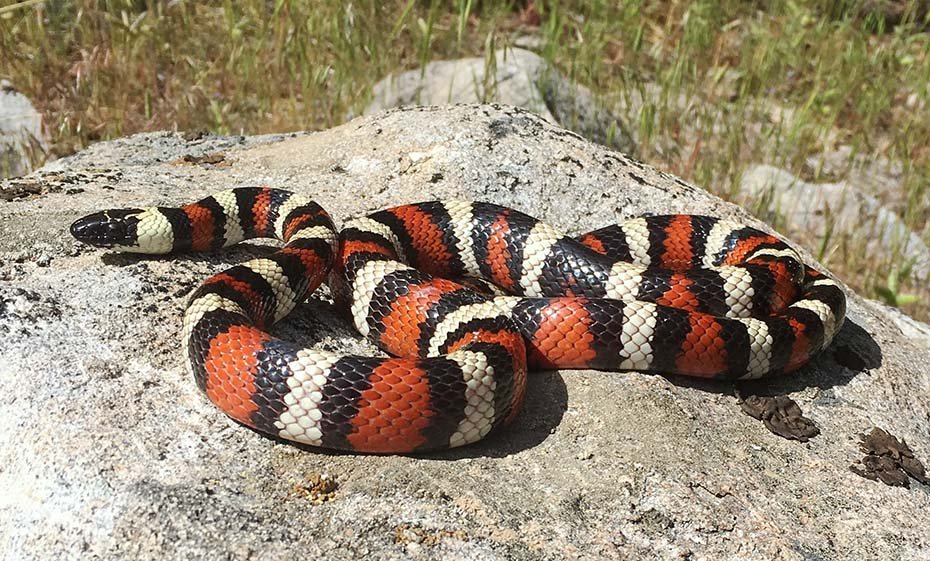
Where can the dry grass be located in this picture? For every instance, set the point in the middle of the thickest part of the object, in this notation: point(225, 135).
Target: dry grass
point(741, 82)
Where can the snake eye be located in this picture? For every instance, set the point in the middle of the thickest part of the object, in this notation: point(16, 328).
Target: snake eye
point(107, 228)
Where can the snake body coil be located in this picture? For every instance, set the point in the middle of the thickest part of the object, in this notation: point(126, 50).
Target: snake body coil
point(680, 294)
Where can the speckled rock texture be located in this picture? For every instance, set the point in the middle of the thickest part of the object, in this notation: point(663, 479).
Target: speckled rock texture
point(109, 451)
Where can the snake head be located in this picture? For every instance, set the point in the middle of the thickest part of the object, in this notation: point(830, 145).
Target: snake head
point(109, 228)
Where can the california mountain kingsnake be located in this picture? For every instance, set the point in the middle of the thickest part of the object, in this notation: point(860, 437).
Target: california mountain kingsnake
point(678, 294)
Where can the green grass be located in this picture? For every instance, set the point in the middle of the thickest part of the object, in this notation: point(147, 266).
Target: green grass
point(103, 69)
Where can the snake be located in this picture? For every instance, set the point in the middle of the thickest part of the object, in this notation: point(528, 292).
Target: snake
point(465, 298)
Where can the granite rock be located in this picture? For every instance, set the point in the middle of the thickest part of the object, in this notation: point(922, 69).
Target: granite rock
point(109, 451)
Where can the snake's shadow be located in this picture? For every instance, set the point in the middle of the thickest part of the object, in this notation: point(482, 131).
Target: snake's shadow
point(852, 352)
point(545, 403)
point(317, 323)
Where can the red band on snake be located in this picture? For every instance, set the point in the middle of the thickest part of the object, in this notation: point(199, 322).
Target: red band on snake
point(467, 296)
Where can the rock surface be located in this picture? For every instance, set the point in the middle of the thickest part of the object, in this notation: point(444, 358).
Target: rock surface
point(513, 77)
point(108, 450)
point(858, 217)
point(21, 134)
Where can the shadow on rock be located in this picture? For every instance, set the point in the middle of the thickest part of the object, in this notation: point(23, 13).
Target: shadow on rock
point(317, 323)
point(546, 403)
point(852, 352)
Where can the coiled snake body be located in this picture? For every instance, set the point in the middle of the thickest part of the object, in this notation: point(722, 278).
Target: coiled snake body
point(680, 294)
